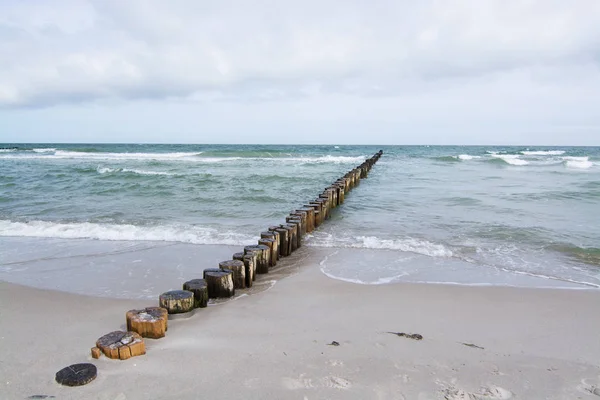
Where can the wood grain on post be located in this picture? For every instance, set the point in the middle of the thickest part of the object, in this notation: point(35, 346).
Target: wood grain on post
point(310, 218)
point(298, 222)
point(219, 283)
point(284, 237)
point(303, 215)
point(264, 257)
point(177, 301)
point(272, 245)
point(239, 272)
point(273, 229)
point(318, 213)
point(150, 322)
point(200, 290)
point(275, 247)
point(120, 345)
point(249, 264)
point(292, 240)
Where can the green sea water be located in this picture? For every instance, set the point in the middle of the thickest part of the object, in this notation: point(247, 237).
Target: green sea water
point(450, 214)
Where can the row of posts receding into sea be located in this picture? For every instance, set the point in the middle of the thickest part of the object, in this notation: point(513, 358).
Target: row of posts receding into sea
point(236, 274)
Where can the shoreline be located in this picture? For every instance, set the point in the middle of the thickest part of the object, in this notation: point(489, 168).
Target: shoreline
point(538, 343)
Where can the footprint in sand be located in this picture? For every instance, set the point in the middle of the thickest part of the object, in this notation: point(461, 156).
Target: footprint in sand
point(297, 383)
point(587, 387)
point(486, 393)
point(336, 382)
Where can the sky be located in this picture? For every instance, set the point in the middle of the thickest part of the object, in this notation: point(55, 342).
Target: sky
point(521, 72)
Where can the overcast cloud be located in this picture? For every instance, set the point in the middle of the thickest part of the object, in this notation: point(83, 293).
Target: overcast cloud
point(398, 72)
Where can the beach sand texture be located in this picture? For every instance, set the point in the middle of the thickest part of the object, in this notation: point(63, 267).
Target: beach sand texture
point(478, 343)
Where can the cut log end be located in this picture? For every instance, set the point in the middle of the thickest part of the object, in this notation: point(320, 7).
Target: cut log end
point(220, 283)
point(77, 374)
point(121, 345)
point(151, 322)
point(200, 290)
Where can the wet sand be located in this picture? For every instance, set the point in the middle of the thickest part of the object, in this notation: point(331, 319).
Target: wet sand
point(478, 342)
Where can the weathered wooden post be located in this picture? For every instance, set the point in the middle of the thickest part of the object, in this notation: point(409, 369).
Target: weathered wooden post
point(250, 264)
point(293, 236)
point(200, 290)
point(264, 257)
point(318, 215)
point(219, 283)
point(284, 237)
point(177, 301)
point(121, 345)
point(310, 218)
point(298, 222)
point(272, 245)
point(150, 322)
point(304, 218)
point(274, 248)
point(239, 272)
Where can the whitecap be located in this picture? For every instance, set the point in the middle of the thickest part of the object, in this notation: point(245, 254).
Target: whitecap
point(511, 159)
point(126, 232)
point(543, 153)
point(578, 162)
point(466, 157)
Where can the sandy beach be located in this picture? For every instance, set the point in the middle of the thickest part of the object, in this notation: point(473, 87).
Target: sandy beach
point(478, 343)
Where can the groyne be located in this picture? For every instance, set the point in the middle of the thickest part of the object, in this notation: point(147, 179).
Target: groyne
point(222, 281)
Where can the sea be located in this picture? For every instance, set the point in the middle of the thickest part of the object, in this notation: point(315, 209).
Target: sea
point(88, 218)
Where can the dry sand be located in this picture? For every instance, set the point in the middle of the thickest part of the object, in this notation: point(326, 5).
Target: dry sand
point(532, 344)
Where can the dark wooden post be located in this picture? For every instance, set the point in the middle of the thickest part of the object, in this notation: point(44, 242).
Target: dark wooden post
point(177, 301)
point(284, 237)
point(239, 272)
point(200, 290)
point(272, 245)
point(310, 218)
point(298, 223)
point(292, 234)
point(250, 265)
point(264, 257)
point(219, 283)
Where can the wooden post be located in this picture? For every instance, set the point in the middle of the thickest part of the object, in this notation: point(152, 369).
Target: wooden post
point(298, 223)
point(238, 256)
point(292, 235)
point(273, 229)
point(177, 301)
point(284, 235)
point(275, 247)
point(121, 345)
point(264, 257)
point(272, 245)
point(254, 256)
point(219, 283)
point(151, 322)
point(310, 218)
point(318, 213)
point(249, 263)
point(200, 290)
point(239, 272)
point(304, 218)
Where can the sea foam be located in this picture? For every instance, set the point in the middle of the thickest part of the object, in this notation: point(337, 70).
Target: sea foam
point(126, 232)
point(578, 162)
point(409, 244)
point(511, 159)
point(543, 153)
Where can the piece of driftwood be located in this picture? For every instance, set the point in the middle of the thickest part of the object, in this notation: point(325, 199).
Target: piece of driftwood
point(121, 345)
point(239, 272)
point(177, 301)
point(220, 283)
point(200, 290)
point(151, 322)
point(77, 374)
point(414, 336)
point(96, 353)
